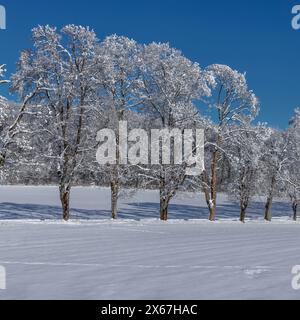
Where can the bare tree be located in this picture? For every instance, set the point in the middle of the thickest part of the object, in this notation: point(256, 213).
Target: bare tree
point(275, 159)
point(12, 115)
point(232, 101)
point(290, 175)
point(171, 85)
point(245, 150)
point(60, 71)
point(119, 82)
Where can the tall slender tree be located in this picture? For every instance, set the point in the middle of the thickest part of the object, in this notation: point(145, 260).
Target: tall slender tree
point(119, 82)
point(231, 101)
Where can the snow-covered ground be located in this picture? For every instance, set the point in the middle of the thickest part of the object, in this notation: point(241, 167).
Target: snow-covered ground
point(139, 257)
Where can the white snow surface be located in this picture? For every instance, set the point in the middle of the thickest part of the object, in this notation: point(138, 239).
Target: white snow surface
point(139, 257)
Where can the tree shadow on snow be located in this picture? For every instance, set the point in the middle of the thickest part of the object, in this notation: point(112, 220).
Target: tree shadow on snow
point(138, 211)
point(189, 212)
point(11, 211)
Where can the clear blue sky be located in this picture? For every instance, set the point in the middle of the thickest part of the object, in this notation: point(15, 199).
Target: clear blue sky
point(253, 36)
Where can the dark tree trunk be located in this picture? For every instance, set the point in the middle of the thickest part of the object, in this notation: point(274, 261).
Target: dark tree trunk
point(295, 209)
point(114, 199)
point(207, 194)
point(164, 209)
point(214, 185)
point(2, 159)
point(65, 202)
point(162, 197)
point(212, 212)
point(214, 181)
point(268, 207)
point(243, 210)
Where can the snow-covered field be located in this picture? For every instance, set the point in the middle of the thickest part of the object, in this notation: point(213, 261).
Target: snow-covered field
point(139, 257)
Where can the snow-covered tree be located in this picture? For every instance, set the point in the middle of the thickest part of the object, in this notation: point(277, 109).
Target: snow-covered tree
point(11, 116)
point(290, 175)
point(171, 85)
point(275, 160)
point(232, 102)
point(245, 149)
point(2, 81)
point(292, 189)
point(59, 70)
point(3, 116)
point(119, 83)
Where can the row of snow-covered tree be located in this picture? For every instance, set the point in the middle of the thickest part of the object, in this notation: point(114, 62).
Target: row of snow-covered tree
point(70, 85)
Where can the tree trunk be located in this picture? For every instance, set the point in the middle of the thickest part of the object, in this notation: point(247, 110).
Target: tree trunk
point(214, 185)
point(207, 194)
point(165, 199)
point(114, 199)
point(164, 209)
point(268, 207)
point(295, 209)
point(65, 201)
point(2, 159)
point(162, 196)
point(243, 213)
point(212, 212)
